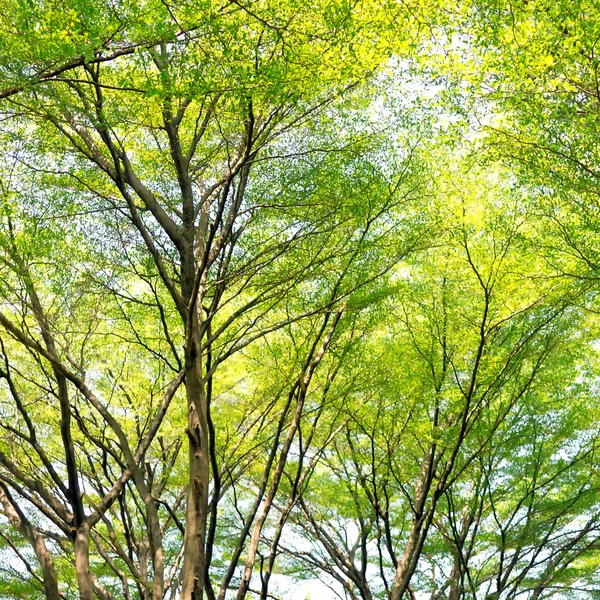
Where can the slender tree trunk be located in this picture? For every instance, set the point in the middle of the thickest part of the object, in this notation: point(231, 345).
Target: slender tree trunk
point(266, 507)
point(81, 546)
point(303, 383)
point(407, 563)
point(193, 265)
point(154, 534)
point(199, 465)
point(47, 564)
point(365, 591)
point(403, 573)
point(455, 587)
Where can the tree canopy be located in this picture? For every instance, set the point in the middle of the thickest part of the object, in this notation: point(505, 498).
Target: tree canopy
point(299, 300)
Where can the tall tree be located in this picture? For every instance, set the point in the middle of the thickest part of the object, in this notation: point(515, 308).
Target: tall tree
point(164, 123)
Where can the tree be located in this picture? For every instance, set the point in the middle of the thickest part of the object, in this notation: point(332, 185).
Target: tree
point(254, 322)
point(438, 447)
point(161, 128)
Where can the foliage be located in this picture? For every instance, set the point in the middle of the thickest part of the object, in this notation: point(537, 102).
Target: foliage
point(298, 292)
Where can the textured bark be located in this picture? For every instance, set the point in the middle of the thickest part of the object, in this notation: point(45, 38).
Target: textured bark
point(197, 499)
point(194, 542)
point(81, 546)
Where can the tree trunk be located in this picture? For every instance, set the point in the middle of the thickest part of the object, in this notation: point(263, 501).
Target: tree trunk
point(407, 564)
point(197, 499)
point(455, 586)
point(81, 545)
